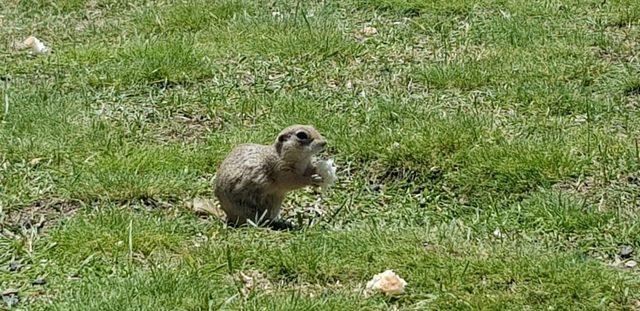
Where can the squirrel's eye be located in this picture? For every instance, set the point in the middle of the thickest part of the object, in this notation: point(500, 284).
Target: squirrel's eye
point(302, 135)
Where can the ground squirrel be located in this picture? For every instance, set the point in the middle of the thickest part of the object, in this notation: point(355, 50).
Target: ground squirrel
point(252, 181)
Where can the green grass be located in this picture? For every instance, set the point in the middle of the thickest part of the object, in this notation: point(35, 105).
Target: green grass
point(455, 119)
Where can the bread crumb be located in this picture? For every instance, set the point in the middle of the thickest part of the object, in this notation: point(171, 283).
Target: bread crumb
point(388, 283)
point(36, 46)
point(327, 169)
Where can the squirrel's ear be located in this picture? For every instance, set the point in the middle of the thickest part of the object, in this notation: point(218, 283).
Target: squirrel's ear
point(280, 142)
point(283, 137)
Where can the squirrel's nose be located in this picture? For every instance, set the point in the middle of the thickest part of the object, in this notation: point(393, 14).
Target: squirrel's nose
point(322, 143)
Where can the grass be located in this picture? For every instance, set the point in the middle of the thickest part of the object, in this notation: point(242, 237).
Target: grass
point(451, 120)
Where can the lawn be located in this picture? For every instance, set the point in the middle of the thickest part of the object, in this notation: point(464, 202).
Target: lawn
point(488, 153)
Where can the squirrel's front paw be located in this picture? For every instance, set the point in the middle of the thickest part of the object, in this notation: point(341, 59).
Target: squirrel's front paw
point(316, 179)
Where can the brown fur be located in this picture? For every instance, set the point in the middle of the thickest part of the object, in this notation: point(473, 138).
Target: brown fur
point(252, 181)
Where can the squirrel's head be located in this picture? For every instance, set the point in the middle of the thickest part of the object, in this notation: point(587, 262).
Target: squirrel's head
point(299, 142)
